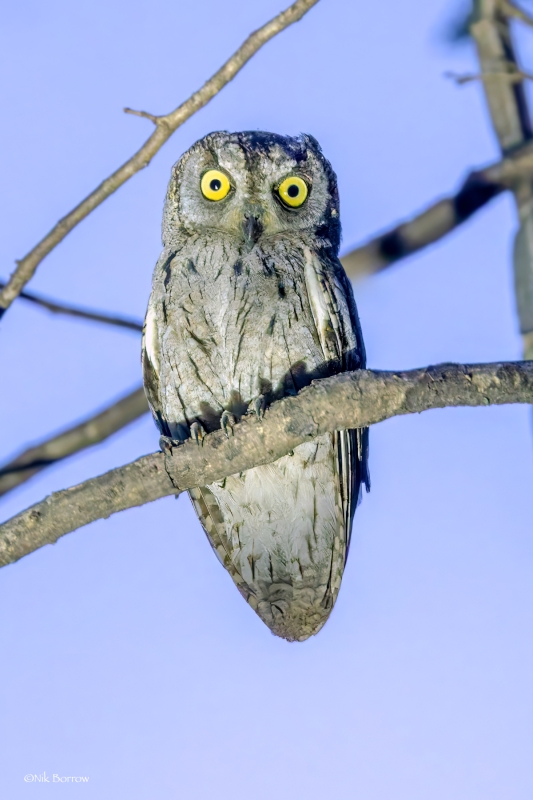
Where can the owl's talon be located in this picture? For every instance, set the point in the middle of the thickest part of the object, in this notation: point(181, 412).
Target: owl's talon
point(259, 406)
point(227, 420)
point(166, 444)
point(197, 433)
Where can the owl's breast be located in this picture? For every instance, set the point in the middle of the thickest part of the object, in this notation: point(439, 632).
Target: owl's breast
point(231, 328)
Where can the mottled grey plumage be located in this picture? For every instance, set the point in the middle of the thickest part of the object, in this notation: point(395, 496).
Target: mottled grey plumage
point(250, 303)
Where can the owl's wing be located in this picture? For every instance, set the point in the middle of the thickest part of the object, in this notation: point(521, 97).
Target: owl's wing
point(337, 324)
point(150, 366)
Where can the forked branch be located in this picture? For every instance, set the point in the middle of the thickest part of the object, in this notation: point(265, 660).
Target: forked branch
point(510, 115)
point(349, 400)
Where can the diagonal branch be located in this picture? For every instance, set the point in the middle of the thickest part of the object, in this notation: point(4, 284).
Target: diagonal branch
point(165, 126)
point(87, 433)
point(510, 10)
point(442, 217)
point(76, 311)
point(349, 400)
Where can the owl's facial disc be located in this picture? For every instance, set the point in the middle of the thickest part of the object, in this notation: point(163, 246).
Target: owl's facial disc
point(252, 186)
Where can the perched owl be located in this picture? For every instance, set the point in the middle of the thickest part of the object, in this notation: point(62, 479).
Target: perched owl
point(250, 303)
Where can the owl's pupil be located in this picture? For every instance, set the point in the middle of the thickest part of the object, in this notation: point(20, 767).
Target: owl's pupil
point(215, 185)
point(293, 190)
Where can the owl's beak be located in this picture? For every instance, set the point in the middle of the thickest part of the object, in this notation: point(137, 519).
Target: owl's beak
point(252, 227)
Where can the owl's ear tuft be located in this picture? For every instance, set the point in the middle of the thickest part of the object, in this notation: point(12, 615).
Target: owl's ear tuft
point(311, 143)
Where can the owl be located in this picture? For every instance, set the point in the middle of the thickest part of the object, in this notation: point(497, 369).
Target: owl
point(249, 304)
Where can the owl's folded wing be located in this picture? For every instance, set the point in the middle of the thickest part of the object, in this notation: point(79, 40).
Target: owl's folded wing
point(338, 328)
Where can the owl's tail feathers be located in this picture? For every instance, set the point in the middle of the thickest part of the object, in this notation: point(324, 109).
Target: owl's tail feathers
point(293, 614)
point(362, 452)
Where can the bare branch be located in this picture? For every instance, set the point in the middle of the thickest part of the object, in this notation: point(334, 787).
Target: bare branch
point(76, 311)
point(510, 10)
point(442, 217)
point(349, 400)
point(513, 76)
point(135, 484)
point(165, 126)
point(509, 112)
point(507, 102)
point(87, 433)
point(144, 114)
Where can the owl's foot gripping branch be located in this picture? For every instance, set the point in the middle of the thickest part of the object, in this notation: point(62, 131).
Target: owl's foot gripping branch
point(349, 400)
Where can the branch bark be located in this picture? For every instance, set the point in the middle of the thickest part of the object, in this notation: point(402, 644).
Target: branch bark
point(442, 217)
point(349, 400)
point(166, 125)
point(86, 434)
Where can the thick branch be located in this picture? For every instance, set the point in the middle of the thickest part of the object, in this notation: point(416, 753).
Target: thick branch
point(165, 127)
point(135, 484)
point(442, 217)
point(349, 400)
point(76, 311)
point(87, 433)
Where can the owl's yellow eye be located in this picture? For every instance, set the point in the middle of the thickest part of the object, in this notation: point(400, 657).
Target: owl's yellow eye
point(215, 185)
point(293, 191)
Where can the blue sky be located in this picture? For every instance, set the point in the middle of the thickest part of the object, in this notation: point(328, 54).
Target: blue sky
point(127, 654)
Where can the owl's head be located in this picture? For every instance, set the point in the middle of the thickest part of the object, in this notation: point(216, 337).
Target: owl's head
point(253, 185)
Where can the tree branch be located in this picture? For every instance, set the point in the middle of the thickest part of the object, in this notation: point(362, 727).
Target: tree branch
point(166, 125)
point(442, 217)
point(76, 311)
point(510, 10)
point(509, 112)
point(87, 433)
point(349, 400)
point(513, 76)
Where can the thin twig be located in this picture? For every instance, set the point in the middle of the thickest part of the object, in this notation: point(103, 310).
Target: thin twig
point(349, 400)
point(515, 76)
point(86, 434)
point(165, 126)
point(83, 313)
point(510, 10)
point(144, 114)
